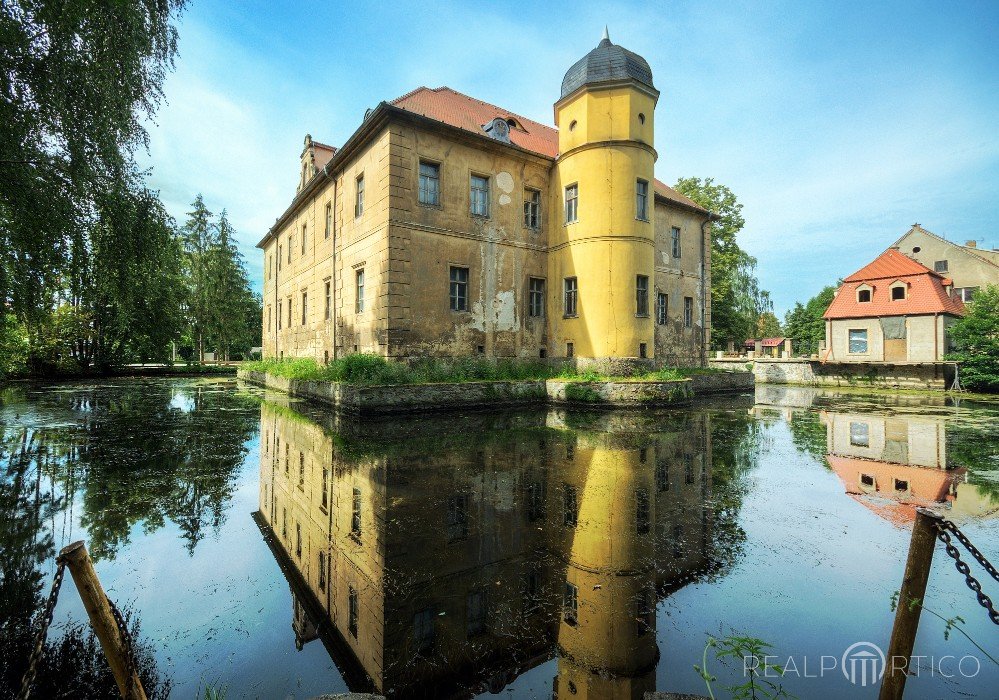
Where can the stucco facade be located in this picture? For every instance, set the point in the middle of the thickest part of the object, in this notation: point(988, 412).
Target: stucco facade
point(368, 219)
point(971, 268)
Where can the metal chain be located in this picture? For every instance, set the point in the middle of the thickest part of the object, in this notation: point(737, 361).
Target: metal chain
point(942, 527)
point(126, 641)
point(46, 619)
point(972, 549)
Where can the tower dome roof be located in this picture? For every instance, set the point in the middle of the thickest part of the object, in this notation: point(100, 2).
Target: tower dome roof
point(605, 63)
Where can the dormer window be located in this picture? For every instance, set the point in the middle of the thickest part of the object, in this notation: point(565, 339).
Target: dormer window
point(864, 293)
point(898, 291)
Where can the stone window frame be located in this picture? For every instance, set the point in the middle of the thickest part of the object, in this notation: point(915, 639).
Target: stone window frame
point(439, 165)
point(359, 282)
point(328, 300)
point(870, 293)
point(329, 220)
point(305, 307)
point(898, 284)
point(472, 189)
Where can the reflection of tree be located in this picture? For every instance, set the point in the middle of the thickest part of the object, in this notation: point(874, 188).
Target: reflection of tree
point(736, 441)
point(144, 461)
point(808, 433)
point(975, 447)
point(72, 661)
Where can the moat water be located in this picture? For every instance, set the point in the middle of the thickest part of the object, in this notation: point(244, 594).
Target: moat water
point(268, 547)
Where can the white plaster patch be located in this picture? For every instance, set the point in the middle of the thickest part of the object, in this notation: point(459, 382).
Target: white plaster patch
point(504, 181)
point(504, 312)
point(504, 199)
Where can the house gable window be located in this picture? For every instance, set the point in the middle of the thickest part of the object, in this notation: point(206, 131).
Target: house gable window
point(532, 209)
point(863, 294)
point(940, 266)
point(898, 291)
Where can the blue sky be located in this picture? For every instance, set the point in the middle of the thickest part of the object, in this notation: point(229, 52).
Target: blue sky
point(836, 124)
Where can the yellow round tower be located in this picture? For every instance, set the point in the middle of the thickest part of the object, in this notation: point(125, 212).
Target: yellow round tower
point(602, 240)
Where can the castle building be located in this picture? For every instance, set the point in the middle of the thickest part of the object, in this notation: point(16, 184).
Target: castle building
point(446, 226)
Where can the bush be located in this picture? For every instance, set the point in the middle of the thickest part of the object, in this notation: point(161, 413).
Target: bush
point(13, 347)
point(976, 337)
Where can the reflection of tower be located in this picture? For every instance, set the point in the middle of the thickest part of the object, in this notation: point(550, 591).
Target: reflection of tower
point(605, 251)
point(606, 636)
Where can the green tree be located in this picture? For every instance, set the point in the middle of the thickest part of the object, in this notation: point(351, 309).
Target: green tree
point(737, 301)
point(199, 237)
point(79, 80)
point(768, 326)
point(976, 341)
point(804, 323)
point(235, 310)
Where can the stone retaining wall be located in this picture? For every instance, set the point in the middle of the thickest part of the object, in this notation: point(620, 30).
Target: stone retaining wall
point(418, 397)
point(930, 375)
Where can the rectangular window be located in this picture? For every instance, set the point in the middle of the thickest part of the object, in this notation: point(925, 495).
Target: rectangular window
point(570, 505)
point(322, 571)
point(571, 297)
point(268, 318)
point(305, 306)
point(459, 288)
point(642, 517)
point(570, 604)
point(864, 296)
point(642, 200)
point(688, 468)
point(662, 302)
point(301, 470)
point(940, 266)
point(570, 350)
point(475, 613)
point(898, 293)
point(423, 629)
point(328, 307)
point(966, 294)
point(359, 291)
point(284, 522)
point(289, 312)
point(359, 197)
point(675, 241)
point(298, 540)
point(457, 517)
point(430, 183)
point(641, 295)
point(479, 195)
point(532, 209)
point(688, 312)
point(535, 501)
point(329, 220)
point(858, 340)
point(291, 242)
point(571, 204)
point(326, 488)
point(536, 297)
point(280, 255)
point(352, 611)
point(270, 266)
point(860, 434)
point(304, 229)
point(662, 475)
point(355, 514)
point(532, 589)
point(279, 316)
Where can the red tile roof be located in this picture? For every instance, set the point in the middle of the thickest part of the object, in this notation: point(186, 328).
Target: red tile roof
point(925, 293)
point(459, 110)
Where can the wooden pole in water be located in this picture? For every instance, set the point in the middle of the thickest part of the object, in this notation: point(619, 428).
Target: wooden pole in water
point(102, 620)
point(903, 633)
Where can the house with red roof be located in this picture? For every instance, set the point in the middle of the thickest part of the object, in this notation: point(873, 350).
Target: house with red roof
point(448, 226)
point(893, 310)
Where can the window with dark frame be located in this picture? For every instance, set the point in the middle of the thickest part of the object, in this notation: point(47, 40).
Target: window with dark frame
point(641, 295)
point(329, 220)
point(662, 475)
point(430, 183)
point(675, 241)
point(535, 501)
point(322, 571)
point(324, 503)
point(570, 604)
point(532, 209)
point(898, 293)
point(298, 540)
point(642, 200)
point(688, 312)
point(536, 297)
point(570, 505)
point(301, 470)
point(355, 514)
point(279, 315)
point(352, 611)
point(863, 296)
point(458, 290)
point(572, 203)
point(571, 307)
point(289, 312)
point(304, 230)
point(479, 195)
point(940, 266)
point(305, 306)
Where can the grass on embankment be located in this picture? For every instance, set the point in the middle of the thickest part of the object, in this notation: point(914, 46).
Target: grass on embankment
point(372, 370)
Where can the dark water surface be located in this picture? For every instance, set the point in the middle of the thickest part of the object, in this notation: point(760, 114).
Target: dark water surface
point(273, 548)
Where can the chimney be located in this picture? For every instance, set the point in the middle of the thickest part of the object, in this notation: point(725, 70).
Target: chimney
point(971, 244)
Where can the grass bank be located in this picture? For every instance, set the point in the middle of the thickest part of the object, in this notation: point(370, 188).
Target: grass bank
point(373, 370)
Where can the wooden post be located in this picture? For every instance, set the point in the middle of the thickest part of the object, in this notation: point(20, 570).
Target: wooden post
point(903, 633)
point(102, 620)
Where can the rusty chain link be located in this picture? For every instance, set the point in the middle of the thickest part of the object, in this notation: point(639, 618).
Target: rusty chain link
point(46, 619)
point(944, 528)
point(126, 641)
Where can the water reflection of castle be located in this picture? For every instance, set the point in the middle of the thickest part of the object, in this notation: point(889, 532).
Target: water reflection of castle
point(447, 556)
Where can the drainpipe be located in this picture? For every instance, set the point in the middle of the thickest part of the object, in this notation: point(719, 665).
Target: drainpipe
point(704, 290)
